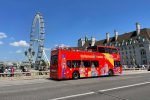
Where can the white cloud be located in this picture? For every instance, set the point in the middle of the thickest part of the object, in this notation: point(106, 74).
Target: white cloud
point(19, 51)
point(1, 43)
point(20, 43)
point(2, 35)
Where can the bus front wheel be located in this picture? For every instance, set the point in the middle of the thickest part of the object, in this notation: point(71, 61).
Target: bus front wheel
point(75, 75)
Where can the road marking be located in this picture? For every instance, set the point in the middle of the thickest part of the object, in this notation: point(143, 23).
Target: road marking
point(105, 90)
point(72, 96)
point(127, 86)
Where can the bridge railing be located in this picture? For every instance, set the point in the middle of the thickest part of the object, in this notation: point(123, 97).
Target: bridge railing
point(41, 74)
point(124, 69)
point(25, 75)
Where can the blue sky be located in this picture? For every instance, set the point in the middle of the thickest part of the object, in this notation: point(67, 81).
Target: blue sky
point(66, 21)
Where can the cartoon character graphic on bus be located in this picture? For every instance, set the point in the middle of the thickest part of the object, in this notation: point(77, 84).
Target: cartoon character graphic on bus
point(117, 70)
point(105, 69)
point(93, 70)
point(82, 70)
point(63, 66)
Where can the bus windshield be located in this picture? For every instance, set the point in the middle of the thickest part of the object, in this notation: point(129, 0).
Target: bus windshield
point(114, 51)
point(117, 63)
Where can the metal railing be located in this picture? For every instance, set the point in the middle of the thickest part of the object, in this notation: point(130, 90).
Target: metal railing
point(24, 75)
point(124, 69)
point(41, 74)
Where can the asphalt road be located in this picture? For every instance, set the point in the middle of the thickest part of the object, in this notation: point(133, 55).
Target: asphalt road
point(123, 87)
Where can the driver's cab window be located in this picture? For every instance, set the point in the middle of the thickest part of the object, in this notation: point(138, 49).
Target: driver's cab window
point(114, 51)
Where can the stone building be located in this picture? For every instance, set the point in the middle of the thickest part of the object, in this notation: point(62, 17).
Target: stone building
point(134, 46)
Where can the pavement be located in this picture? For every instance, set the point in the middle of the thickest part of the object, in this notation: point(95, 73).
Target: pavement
point(129, 86)
point(32, 80)
point(128, 72)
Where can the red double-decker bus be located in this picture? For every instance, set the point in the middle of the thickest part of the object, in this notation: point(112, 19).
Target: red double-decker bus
point(69, 63)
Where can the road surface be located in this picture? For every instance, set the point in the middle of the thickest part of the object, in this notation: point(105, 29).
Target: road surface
point(123, 87)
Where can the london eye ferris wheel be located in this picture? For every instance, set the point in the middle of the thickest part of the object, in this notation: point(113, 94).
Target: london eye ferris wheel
point(37, 37)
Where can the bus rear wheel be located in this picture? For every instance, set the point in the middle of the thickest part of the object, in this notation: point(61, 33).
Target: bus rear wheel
point(75, 75)
point(110, 73)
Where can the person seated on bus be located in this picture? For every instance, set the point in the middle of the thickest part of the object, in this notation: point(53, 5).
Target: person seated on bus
point(81, 64)
point(74, 65)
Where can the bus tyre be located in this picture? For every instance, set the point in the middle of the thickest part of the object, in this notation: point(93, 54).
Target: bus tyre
point(75, 75)
point(110, 73)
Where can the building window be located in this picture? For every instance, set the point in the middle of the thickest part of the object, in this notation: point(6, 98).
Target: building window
point(144, 62)
point(131, 57)
point(133, 47)
point(129, 48)
point(127, 63)
point(141, 45)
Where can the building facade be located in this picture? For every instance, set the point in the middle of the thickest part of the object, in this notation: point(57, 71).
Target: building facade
point(134, 46)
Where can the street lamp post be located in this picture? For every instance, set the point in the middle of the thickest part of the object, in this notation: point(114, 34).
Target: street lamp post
point(30, 54)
